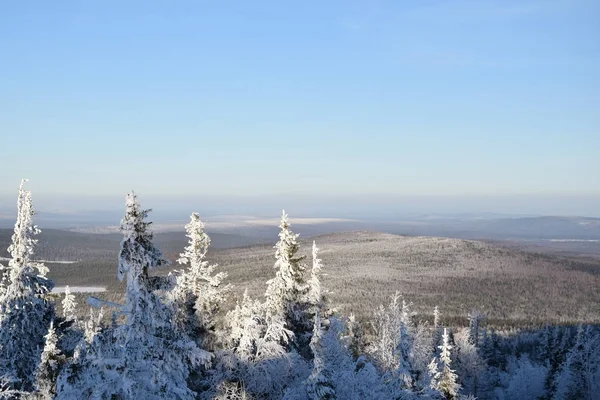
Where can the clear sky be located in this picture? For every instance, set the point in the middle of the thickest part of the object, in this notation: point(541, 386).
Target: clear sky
point(307, 98)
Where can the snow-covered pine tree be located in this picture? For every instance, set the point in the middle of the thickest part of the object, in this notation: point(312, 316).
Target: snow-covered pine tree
point(198, 293)
point(526, 381)
point(286, 292)
point(146, 357)
point(447, 380)
point(259, 358)
point(436, 317)
point(137, 255)
point(315, 293)
point(437, 328)
point(246, 326)
point(579, 375)
point(476, 319)
point(25, 312)
point(469, 364)
point(351, 379)
point(69, 305)
point(157, 360)
point(51, 361)
point(393, 341)
point(405, 349)
point(319, 385)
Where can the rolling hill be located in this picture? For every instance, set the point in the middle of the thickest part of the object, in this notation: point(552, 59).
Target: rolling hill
point(364, 268)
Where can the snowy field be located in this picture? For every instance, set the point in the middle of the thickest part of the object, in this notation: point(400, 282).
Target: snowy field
point(43, 261)
point(80, 289)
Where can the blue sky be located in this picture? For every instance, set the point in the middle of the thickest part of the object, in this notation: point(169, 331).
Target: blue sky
point(301, 98)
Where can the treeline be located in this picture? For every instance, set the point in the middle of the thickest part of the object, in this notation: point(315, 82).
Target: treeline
point(174, 338)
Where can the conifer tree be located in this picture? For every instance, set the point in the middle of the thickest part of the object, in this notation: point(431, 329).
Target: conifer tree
point(315, 293)
point(319, 383)
point(436, 317)
point(145, 357)
point(198, 293)
point(51, 361)
point(469, 365)
point(137, 255)
point(151, 344)
point(392, 347)
point(578, 375)
point(25, 312)
point(286, 292)
point(69, 305)
point(475, 320)
point(445, 381)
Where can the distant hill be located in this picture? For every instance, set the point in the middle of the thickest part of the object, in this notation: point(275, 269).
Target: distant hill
point(56, 244)
point(363, 268)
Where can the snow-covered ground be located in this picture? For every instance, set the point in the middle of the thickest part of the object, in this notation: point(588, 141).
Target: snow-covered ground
point(80, 289)
point(44, 261)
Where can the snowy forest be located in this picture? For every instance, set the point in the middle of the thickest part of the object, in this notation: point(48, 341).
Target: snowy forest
point(175, 338)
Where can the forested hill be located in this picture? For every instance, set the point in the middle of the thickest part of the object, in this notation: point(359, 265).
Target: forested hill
point(363, 269)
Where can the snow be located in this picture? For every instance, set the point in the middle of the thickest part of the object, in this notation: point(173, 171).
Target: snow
point(80, 289)
point(44, 261)
point(166, 342)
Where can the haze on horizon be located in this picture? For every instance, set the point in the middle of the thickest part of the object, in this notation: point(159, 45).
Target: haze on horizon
point(322, 108)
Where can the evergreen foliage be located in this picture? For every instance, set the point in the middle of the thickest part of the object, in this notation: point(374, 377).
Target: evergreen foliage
point(25, 312)
point(289, 346)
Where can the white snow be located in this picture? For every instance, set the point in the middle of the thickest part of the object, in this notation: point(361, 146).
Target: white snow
point(79, 289)
point(43, 261)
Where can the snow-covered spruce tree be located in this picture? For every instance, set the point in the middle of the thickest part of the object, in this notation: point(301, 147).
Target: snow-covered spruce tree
point(69, 305)
point(316, 295)
point(51, 361)
point(436, 317)
point(579, 376)
point(526, 382)
point(444, 380)
point(146, 357)
point(469, 364)
point(25, 312)
point(157, 360)
point(392, 346)
point(137, 255)
point(437, 328)
point(319, 385)
point(476, 319)
point(286, 294)
point(351, 379)
point(258, 358)
point(198, 293)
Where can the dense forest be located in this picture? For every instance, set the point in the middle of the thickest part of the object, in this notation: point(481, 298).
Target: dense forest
point(175, 337)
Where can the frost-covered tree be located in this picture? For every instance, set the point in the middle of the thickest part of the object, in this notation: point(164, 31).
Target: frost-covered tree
point(392, 346)
point(198, 293)
point(137, 255)
point(526, 381)
point(69, 305)
point(319, 385)
point(443, 378)
point(146, 357)
point(579, 375)
point(336, 374)
point(25, 312)
point(436, 317)
point(469, 364)
point(315, 292)
point(51, 361)
point(476, 319)
point(93, 325)
point(246, 327)
point(286, 293)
